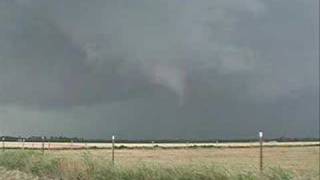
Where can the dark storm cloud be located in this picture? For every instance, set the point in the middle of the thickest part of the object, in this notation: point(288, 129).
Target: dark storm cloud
point(152, 69)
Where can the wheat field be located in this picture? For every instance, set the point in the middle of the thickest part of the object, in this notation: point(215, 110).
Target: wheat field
point(159, 163)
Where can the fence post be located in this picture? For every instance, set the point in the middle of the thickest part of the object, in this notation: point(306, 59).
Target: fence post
point(42, 144)
point(71, 144)
point(261, 150)
point(3, 145)
point(113, 139)
point(23, 140)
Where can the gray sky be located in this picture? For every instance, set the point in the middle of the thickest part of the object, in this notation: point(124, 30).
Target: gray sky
point(159, 68)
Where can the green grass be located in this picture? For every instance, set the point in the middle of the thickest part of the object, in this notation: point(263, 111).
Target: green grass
point(47, 166)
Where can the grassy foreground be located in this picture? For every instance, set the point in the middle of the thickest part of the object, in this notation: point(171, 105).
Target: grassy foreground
point(51, 167)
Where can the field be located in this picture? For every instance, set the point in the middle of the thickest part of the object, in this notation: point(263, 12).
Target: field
point(195, 162)
point(71, 145)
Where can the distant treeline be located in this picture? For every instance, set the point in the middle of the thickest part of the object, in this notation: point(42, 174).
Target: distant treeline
point(77, 139)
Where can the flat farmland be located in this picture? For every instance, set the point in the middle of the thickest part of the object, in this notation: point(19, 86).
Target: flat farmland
point(162, 161)
point(303, 161)
point(70, 145)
